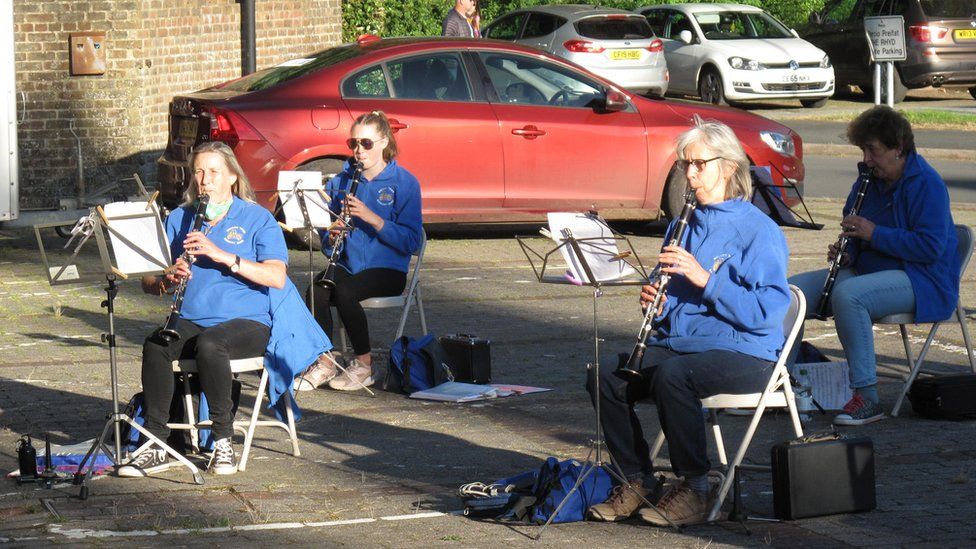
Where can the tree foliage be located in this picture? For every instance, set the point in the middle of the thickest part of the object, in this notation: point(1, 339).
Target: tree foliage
point(423, 17)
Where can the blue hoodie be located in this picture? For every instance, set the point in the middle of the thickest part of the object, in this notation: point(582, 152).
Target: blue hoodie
point(923, 239)
point(743, 305)
point(394, 195)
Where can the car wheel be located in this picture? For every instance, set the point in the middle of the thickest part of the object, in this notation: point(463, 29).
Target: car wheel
point(972, 92)
point(302, 238)
point(710, 88)
point(674, 194)
point(813, 103)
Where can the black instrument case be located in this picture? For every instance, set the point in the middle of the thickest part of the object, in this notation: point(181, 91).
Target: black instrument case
point(469, 357)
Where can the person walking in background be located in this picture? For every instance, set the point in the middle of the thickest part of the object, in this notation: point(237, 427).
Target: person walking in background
point(458, 22)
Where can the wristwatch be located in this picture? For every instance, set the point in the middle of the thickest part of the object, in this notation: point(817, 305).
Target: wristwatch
point(236, 266)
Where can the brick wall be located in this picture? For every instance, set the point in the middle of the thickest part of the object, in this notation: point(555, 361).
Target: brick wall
point(154, 49)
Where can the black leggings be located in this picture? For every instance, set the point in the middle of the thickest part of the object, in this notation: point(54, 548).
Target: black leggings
point(213, 348)
point(350, 289)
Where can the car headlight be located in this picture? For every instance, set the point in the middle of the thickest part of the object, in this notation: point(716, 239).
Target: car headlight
point(780, 143)
point(743, 64)
point(825, 62)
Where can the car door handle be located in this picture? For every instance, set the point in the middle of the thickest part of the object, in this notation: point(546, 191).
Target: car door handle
point(529, 132)
point(396, 125)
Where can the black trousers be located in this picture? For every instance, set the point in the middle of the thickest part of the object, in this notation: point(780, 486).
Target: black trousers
point(349, 290)
point(213, 348)
point(676, 382)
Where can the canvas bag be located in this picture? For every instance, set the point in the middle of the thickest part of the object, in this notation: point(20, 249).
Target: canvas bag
point(417, 364)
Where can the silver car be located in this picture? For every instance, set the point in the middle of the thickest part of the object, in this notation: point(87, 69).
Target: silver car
point(616, 44)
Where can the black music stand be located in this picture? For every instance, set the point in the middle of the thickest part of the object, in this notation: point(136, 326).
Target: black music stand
point(145, 254)
point(582, 253)
point(298, 191)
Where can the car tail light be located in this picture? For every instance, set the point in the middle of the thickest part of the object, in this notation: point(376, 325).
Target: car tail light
point(925, 33)
point(230, 127)
point(656, 46)
point(582, 46)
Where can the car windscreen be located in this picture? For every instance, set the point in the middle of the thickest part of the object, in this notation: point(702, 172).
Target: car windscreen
point(614, 27)
point(942, 8)
point(737, 25)
point(272, 76)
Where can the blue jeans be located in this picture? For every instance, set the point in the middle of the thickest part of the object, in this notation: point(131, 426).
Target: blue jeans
point(856, 302)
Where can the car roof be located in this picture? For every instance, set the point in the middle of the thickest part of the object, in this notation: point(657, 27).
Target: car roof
point(574, 10)
point(700, 7)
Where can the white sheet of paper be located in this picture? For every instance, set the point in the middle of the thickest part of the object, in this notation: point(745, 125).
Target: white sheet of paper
point(829, 383)
point(138, 244)
point(310, 183)
point(598, 253)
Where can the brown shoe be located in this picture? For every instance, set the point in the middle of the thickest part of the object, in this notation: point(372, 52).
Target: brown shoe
point(682, 506)
point(321, 372)
point(623, 502)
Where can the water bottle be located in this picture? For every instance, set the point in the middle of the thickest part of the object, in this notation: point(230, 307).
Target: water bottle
point(804, 396)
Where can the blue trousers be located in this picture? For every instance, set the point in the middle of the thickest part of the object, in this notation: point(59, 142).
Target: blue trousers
point(677, 383)
point(856, 302)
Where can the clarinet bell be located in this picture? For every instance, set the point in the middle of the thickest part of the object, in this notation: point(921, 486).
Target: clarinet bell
point(324, 280)
point(624, 367)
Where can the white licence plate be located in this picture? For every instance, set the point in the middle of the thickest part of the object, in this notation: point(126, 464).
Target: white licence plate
point(188, 129)
point(796, 78)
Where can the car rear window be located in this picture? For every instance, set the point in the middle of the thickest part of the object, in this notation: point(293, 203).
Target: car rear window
point(614, 27)
point(294, 68)
point(949, 8)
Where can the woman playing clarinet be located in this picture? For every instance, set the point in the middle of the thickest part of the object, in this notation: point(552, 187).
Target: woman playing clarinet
point(900, 256)
point(238, 254)
point(719, 330)
point(382, 201)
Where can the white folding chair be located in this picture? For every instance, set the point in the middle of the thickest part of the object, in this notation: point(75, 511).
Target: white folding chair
point(778, 394)
point(411, 296)
point(965, 236)
point(247, 427)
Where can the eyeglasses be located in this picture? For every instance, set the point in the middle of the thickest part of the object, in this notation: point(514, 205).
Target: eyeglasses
point(698, 163)
point(366, 142)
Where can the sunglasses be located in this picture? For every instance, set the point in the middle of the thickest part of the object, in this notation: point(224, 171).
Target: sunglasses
point(366, 143)
point(698, 163)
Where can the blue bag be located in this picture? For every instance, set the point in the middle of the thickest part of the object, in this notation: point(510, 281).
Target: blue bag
point(417, 364)
point(556, 478)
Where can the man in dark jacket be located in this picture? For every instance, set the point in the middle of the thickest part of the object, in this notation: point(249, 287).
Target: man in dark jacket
point(456, 23)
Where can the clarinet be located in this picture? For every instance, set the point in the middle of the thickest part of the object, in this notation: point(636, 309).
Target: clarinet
point(662, 278)
point(168, 332)
point(864, 174)
point(328, 276)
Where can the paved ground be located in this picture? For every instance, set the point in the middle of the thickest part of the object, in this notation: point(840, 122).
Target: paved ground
point(383, 471)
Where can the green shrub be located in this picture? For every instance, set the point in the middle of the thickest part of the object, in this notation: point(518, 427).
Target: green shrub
point(423, 17)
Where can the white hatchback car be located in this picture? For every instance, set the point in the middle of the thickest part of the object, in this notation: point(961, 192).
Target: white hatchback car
point(733, 52)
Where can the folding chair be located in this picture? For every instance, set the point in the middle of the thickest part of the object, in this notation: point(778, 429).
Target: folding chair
point(965, 236)
point(778, 394)
point(247, 427)
point(411, 296)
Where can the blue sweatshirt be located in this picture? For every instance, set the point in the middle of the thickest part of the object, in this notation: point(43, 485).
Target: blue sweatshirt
point(394, 195)
point(743, 305)
point(923, 237)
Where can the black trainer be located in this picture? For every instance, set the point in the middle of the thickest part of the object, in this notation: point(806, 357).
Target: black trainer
point(149, 461)
point(223, 461)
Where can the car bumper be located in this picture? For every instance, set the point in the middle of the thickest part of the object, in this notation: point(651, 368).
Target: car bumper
point(779, 84)
point(918, 70)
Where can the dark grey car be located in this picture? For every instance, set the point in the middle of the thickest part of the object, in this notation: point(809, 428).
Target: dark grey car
point(940, 38)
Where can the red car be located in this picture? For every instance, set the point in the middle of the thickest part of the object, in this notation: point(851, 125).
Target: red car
point(494, 131)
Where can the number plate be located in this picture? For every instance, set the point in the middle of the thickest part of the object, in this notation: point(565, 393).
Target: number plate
point(796, 78)
point(188, 129)
point(965, 34)
point(621, 55)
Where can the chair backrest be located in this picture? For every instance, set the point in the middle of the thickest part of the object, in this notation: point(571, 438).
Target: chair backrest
point(791, 329)
point(964, 234)
point(415, 272)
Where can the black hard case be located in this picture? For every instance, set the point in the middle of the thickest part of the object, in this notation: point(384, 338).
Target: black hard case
point(823, 477)
point(469, 357)
point(945, 397)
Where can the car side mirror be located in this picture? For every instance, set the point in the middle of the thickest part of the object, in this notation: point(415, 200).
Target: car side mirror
point(685, 36)
point(615, 102)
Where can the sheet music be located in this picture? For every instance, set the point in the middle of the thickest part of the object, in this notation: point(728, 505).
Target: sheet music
point(596, 242)
point(138, 242)
point(310, 183)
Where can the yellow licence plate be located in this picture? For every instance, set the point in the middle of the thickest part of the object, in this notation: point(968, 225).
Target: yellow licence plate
point(965, 34)
point(188, 129)
point(620, 55)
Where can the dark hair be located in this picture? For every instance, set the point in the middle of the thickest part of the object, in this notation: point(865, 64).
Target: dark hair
point(886, 125)
point(382, 124)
